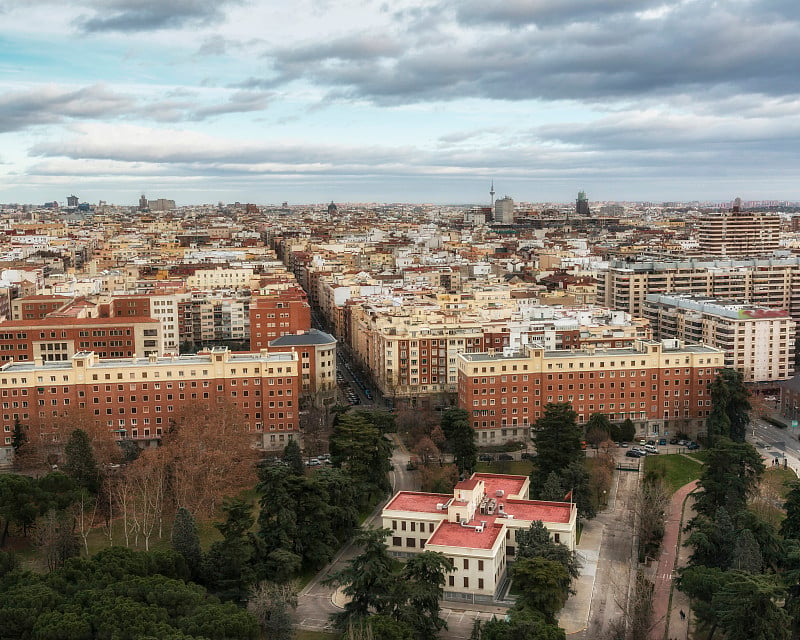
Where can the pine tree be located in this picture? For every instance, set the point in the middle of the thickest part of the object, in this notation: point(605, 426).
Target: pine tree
point(185, 539)
point(293, 458)
point(80, 464)
point(19, 438)
point(558, 442)
point(552, 489)
point(746, 554)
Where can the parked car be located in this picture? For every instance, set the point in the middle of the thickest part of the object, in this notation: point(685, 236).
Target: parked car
point(662, 442)
point(632, 453)
point(641, 452)
point(650, 448)
point(485, 457)
point(313, 462)
point(683, 443)
point(673, 441)
point(642, 442)
point(505, 456)
point(652, 443)
point(692, 446)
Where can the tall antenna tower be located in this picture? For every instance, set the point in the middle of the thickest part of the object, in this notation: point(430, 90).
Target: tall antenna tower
point(491, 193)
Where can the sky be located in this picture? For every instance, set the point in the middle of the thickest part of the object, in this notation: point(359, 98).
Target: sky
point(404, 101)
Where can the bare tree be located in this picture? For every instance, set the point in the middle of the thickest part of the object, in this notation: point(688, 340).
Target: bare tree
point(650, 510)
point(316, 426)
point(84, 511)
point(147, 478)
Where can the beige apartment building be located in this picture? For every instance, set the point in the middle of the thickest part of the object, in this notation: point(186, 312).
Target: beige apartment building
point(476, 527)
point(739, 233)
point(773, 283)
point(757, 341)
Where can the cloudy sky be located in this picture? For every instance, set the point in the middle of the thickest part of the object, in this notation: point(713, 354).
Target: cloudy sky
point(408, 100)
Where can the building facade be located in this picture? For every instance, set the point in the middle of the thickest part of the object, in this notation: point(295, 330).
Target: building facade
point(660, 386)
point(757, 341)
point(135, 398)
point(739, 233)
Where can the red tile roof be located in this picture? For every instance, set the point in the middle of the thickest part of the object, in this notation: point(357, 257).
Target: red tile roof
point(469, 484)
point(510, 485)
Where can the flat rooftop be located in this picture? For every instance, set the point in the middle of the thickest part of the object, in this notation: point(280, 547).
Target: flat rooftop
point(418, 501)
point(450, 534)
point(509, 485)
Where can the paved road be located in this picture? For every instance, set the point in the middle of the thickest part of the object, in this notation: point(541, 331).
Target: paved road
point(667, 563)
point(773, 442)
point(614, 563)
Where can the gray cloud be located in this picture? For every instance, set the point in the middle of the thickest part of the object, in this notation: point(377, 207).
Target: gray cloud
point(48, 105)
point(53, 105)
point(150, 15)
point(604, 51)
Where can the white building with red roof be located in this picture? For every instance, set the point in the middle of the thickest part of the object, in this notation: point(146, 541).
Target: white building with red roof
point(476, 527)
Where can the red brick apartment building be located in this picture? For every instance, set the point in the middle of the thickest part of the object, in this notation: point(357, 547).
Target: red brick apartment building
point(59, 338)
point(278, 313)
point(135, 397)
point(661, 386)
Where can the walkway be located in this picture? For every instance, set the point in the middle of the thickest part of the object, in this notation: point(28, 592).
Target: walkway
point(666, 615)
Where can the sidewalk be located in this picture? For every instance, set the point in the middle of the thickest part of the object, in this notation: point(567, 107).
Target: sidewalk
point(666, 614)
point(574, 617)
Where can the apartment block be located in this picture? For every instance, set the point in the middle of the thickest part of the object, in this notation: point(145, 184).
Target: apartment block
point(136, 397)
point(660, 386)
point(739, 233)
point(771, 283)
point(757, 341)
point(59, 338)
point(276, 313)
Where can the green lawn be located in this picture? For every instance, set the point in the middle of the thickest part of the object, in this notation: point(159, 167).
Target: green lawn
point(513, 467)
point(677, 470)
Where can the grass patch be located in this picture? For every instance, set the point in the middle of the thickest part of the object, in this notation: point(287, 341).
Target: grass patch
point(700, 456)
point(513, 467)
point(676, 470)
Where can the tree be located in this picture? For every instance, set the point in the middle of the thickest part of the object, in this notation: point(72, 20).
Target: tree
point(790, 527)
point(186, 541)
point(543, 586)
point(729, 477)
point(18, 438)
point(730, 413)
point(419, 591)
point(576, 478)
point(272, 605)
point(748, 609)
point(746, 554)
point(363, 452)
point(293, 458)
point(712, 541)
point(552, 489)
point(558, 442)
point(55, 540)
point(19, 503)
point(535, 542)
point(650, 506)
point(523, 624)
point(701, 584)
point(210, 454)
point(426, 450)
point(627, 430)
point(227, 567)
point(80, 462)
point(598, 428)
point(460, 439)
point(438, 479)
point(368, 579)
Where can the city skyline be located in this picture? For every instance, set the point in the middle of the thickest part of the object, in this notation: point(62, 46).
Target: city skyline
point(418, 102)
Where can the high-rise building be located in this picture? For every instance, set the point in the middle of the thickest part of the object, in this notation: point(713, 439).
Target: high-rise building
point(143, 203)
point(504, 210)
point(582, 204)
point(72, 201)
point(739, 233)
